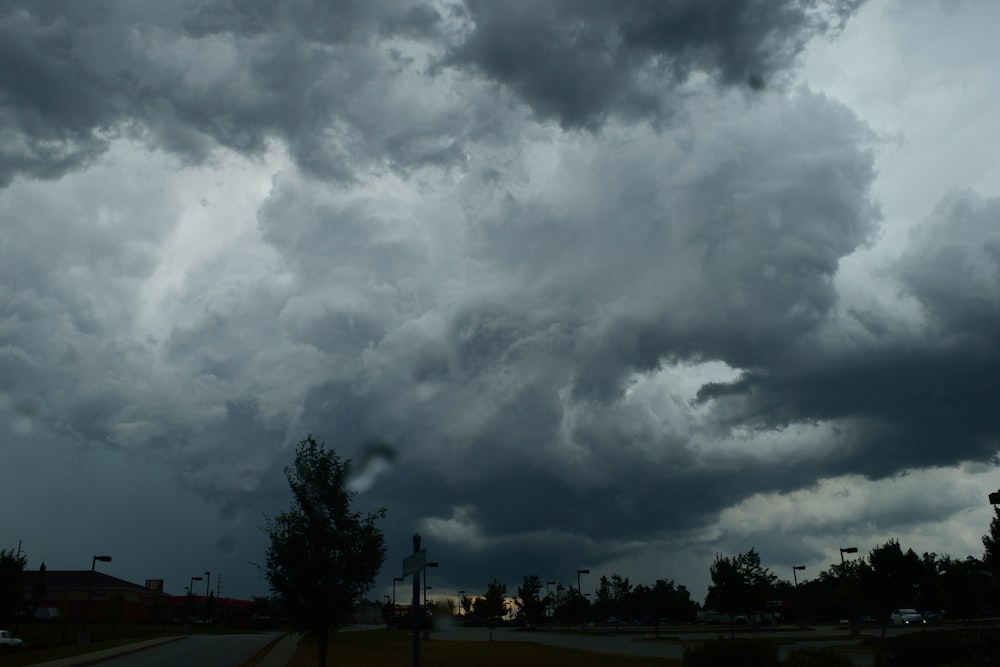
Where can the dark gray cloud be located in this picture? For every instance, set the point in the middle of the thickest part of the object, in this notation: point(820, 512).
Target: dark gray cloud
point(902, 405)
point(581, 62)
point(336, 82)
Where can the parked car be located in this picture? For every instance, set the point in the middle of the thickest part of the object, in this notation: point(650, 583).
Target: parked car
point(906, 617)
point(933, 616)
point(8, 642)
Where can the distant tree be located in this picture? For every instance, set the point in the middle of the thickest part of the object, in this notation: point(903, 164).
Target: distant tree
point(39, 588)
point(966, 584)
point(493, 604)
point(892, 578)
point(323, 557)
point(991, 545)
point(612, 595)
point(260, 606)
point(11, 584)
point(739, 584)
point(573, 608)
point(466, 603)
point(530, 606)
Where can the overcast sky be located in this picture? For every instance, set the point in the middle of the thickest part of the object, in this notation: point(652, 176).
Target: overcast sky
point(623, 284)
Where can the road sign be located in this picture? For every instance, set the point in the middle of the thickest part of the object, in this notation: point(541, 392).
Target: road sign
point(415, 563)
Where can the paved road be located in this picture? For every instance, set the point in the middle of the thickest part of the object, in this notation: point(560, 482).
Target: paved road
point(196, 651)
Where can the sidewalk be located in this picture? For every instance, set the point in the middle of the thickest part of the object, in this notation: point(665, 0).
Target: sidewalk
point(98, 656)
point(281, 653)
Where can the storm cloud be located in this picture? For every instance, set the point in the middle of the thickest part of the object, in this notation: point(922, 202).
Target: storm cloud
point(599, 281)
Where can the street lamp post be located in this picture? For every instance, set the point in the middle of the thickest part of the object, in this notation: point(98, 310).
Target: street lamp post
point(846, 550)
point(843, 573)
point(795, 568)
point(90, 590)
point(433, 563)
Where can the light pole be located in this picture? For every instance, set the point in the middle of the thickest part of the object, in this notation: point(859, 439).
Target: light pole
point(433, 563)
point(578, 573)
point(843, 573)
point(90, 589)
point(191, 592)
point(795, 568)
point(846, 550)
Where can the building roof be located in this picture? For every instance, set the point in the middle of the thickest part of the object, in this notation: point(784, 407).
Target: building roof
point(79, 579)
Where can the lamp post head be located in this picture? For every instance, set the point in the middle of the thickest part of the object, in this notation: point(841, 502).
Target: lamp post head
point(995, 498)
point(195, 578)
point(399, 578)
point(798, 567)
point(432, 563)
point(103, 559)
point(550, 583)
point(583, 571)
point(849, 550)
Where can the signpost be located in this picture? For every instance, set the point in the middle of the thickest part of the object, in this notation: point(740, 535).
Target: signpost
point(415, 565)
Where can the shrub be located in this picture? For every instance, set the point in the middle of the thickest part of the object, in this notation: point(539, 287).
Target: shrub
point(816, 657)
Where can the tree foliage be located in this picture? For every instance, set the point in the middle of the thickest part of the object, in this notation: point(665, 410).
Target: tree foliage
point(493, 604)
point(991, 545)
point(323, 557)
point(739, 584)
point(11, 583)
point(530, 604)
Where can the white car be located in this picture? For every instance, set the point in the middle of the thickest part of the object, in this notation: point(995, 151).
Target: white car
point(9, 642)
point(906, 617)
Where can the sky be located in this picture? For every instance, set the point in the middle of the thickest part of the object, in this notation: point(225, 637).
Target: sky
point(616, 286)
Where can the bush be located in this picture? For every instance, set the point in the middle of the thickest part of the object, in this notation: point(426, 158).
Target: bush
point(816, 657)
point(727, 652)
point(976, 648)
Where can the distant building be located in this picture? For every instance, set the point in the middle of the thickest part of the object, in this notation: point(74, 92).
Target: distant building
point(111, 598)
point(117, 600)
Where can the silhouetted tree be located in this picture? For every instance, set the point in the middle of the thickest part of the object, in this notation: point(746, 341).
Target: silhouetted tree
point(891, 580)
point(611, 596)
point(531, 607)
point(573, 608)
point(39, 588)
point(323, 556)
point(739, 584)
point(965, 583)
point(492, 606)
point(991, 545)
point(11, 583)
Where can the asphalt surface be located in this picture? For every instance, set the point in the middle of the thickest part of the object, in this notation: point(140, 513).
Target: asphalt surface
point(229, 650)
